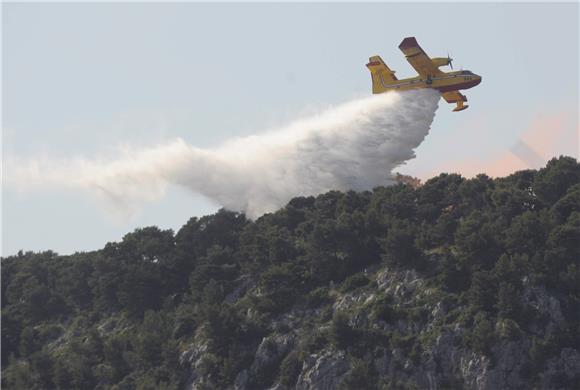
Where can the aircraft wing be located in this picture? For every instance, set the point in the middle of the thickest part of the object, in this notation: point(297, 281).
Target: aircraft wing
point(418, 59)
point(453, 97)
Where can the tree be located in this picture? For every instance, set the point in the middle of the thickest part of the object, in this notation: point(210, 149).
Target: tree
point(278, 288)
point(482, 293)
point(28, 342)
point(437, 195)
point(398, 201)
point(198, 235)
point(527, 233)
point(477, 241)
point(510, 202)
point(341, 333)
point(508, 301)
point(105, 281)
point(568, 204)
point(476, 193)
point(482, 335)
point(290, 369)
point(115, 350)
point(41, 302)
point(42, 365)
point(140, 289)
point(360, 376)
point(562, 247)
point(439, 234)
point(73, 283)
point(149, 244)
point(218, 265)
point(153, 334)
point(552, 182)
point(399, 245)
point(511, 269)
point(454, 276)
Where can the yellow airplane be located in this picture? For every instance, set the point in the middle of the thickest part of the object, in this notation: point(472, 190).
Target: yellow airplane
point(448, 83)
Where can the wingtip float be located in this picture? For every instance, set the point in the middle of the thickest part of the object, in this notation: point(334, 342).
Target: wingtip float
point(430, 76)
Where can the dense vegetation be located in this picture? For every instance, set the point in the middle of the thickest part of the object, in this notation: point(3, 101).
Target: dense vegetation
point(121, 317)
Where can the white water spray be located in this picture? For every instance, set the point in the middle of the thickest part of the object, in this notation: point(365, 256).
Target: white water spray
point(355, 145)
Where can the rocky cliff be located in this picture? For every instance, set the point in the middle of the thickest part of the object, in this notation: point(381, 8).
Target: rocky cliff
point(421, 344)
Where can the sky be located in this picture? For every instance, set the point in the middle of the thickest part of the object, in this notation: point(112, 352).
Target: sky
point(84, 79)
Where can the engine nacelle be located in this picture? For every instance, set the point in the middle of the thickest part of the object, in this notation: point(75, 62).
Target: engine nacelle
point(441, 61)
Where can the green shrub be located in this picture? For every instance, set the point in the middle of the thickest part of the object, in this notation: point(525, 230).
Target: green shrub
point(353, 282)
point(507, 329)
point(290, 369)
point(383, 310)
point(482, 335)
point(361, 375)
point(318, 297)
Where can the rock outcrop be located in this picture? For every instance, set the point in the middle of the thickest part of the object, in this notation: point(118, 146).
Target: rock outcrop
point(439, 357)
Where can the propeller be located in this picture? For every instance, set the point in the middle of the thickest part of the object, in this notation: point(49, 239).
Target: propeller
point(449, 61)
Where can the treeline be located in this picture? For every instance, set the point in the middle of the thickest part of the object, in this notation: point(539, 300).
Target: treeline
point(120, 317)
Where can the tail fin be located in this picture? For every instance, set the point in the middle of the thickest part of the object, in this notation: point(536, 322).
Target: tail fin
point(380, 74)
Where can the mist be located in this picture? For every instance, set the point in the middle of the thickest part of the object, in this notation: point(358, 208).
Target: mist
point(352, 146)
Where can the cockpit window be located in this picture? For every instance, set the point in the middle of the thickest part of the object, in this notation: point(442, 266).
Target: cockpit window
point(466, 72)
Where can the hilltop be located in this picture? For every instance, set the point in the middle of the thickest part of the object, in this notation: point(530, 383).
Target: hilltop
point(455, 283)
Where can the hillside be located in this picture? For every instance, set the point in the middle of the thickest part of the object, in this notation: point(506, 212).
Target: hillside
point(452, 284)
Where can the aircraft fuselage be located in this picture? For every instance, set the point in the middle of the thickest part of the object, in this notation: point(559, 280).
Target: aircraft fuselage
point(449, 81)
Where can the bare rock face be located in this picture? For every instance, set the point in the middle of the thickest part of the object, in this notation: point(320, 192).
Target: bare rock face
point(245, 283)
point(241, 380)
point(323, 371)
point(192, 358)
point(546, 305)
point(474, 371)
point(267, 358)
point(271, 351)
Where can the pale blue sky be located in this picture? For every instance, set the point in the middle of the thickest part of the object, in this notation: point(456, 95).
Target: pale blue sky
point(81, 79)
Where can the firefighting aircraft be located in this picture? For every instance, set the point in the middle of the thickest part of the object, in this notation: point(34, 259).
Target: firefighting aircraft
point(448, 83)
